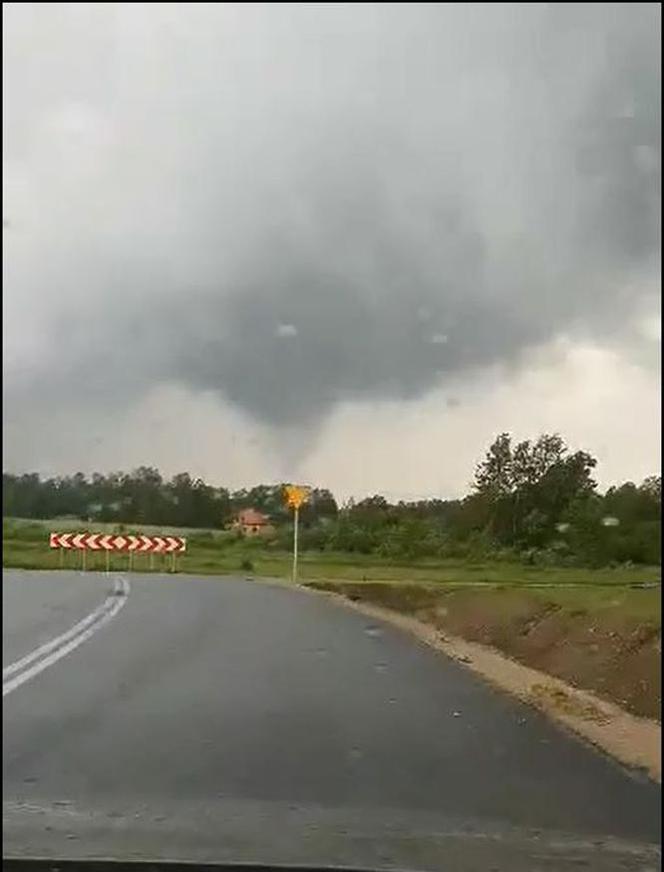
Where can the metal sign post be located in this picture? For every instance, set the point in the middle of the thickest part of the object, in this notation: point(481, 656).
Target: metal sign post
point(295, 496)
point(296, 520)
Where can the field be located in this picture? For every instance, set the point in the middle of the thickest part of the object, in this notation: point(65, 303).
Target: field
point(209, 552)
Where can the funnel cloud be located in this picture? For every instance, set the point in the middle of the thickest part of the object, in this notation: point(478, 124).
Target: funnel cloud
point(298, 207)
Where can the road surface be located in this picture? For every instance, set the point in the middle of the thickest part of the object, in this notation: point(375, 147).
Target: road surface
point(231, 720)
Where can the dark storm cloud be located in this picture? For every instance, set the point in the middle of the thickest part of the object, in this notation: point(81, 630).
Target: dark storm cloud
point(301, 205)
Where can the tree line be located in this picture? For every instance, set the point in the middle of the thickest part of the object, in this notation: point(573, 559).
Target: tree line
point(145, 497)
point(534, 500)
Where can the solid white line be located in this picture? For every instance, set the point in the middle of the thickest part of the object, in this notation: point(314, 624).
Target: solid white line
point(55, 643)
point(62, 645)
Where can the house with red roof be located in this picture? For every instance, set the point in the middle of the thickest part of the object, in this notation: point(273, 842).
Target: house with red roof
point(251, 522)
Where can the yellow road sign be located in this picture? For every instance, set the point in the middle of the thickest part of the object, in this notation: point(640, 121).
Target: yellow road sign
point(295, 495)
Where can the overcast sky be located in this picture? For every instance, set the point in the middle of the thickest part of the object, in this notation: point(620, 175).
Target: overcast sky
point(345, 244)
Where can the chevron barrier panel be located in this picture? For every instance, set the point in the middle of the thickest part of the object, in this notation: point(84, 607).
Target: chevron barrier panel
point(118, 542)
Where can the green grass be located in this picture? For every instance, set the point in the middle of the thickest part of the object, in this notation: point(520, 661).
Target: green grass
point(457, 571)
point(586, 600)
point(502, 604)
point(218, 552)
point(26, 546)
point(602, 601)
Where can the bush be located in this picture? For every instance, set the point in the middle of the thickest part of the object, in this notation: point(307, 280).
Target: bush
point(246, 565)
point(311, 539)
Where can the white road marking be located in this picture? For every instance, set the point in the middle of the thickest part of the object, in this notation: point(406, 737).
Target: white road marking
point(47, 647)
point(50, 652)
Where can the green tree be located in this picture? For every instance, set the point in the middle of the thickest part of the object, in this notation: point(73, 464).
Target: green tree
point(524, 490)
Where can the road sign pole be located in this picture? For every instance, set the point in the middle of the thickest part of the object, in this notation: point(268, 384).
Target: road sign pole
point(295, 496)
point(108, 560)
point(296, 519)
point(83, 559)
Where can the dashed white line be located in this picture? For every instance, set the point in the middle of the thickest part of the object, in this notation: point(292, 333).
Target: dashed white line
point(50, 652)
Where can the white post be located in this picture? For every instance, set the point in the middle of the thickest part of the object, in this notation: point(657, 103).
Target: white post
point(296, 518)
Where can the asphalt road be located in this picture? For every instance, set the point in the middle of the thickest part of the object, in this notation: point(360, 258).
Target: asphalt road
point(230, 720)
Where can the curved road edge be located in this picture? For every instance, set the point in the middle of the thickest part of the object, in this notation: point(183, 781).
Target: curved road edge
point(635, 742)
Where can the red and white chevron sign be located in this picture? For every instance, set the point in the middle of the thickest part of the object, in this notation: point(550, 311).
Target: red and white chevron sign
point(118, 542)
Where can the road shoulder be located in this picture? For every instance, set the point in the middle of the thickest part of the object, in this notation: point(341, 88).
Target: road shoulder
point(634, 741)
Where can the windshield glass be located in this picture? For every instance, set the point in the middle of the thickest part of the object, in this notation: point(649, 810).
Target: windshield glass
point(331, 424)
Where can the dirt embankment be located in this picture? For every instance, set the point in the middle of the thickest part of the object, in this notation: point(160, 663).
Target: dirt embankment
point(610, 651)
